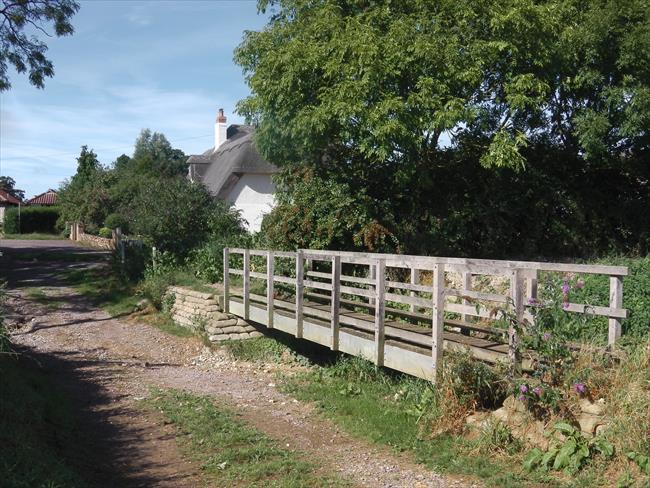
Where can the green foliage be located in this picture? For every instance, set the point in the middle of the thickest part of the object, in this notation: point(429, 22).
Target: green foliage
point(474, 383)
point(8, 184)
point(154, 154)
point(571, 453)
point(31, 219)
point(105, 232)
point(415, 122)
point(23, 50)
point(115, 220)
point(230, 452)
point(642, 461)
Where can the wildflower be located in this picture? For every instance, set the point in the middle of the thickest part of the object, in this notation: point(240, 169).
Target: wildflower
point(580, 388)
point(565, 288)
point(565, 305)
point(532, 301)
point(547, 336)
point(523, 389)
point(579, 284)
point(537, 391)
point(521, 398)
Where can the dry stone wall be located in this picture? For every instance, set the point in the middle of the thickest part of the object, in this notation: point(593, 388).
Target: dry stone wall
point(203, 313)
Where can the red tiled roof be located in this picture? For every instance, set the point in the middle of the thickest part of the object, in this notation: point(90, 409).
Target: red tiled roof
point(8, 198)
point(47, 198)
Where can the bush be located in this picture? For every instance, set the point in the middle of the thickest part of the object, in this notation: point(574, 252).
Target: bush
point(105, 232)
point(114, 220)
point(31, 219)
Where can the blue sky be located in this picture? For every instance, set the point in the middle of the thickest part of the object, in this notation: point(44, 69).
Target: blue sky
point(163, 65)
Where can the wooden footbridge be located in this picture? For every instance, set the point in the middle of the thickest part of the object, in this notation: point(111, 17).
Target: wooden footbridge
point(400, 311)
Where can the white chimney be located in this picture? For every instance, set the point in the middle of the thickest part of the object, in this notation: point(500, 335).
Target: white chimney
point(220, 130)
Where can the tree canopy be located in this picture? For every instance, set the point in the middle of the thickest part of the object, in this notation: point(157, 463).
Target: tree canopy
point(387, 98)
point(22, 21)
point(8, 184)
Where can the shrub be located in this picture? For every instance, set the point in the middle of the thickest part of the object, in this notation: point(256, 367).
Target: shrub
point(115, 220)
point(105, 232)
point(31, 219)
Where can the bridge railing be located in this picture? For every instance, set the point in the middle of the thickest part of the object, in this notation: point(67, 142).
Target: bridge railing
point(389, 284)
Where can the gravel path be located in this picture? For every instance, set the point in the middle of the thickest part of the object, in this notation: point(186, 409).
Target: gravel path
point(109, 364)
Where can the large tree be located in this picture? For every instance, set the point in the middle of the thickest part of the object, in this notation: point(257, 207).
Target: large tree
point(21, 22)
point(387, 98)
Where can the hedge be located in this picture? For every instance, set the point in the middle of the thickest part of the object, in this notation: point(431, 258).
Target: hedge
point(32, 219)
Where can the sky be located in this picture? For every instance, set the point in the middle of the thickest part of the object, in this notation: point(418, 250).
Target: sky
point(162, 65)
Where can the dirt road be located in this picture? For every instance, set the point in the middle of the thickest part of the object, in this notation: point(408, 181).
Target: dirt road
point(107, 365)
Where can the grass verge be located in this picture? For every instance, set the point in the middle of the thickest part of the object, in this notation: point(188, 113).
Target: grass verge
point(230, 452)
point(34, 236)
point(38, 295)
point(36, 424)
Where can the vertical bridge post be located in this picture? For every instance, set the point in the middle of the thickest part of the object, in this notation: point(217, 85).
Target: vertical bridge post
point(247, 284)
point(270, 265)
point(380, 309)
point(336, 285)
point(467, 286)
point(226, 280)
point(516, 295)
point(615, 301)
point(438, 317)
point(300, 290)
point(415, 280)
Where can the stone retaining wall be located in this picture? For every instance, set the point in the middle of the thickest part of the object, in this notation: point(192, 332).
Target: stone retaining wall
point(202, 313)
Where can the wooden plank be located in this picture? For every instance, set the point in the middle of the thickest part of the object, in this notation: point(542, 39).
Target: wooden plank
point(258, 275)
point(516, 295)
point(270, 265)
point(318, 274)
point(615, 301)
point(300, 290)
point(409, 286)
point(284, 279)
point(415, 280)
point(318, 285)
point(357, 279)
point(226, 279)
point(247, 284)
point(360, 292)
point(476, 295)
point(380, 301)
point(467, 286)
point(424, 262)
point(438, 316)
point(336, 296)
point(407, 300)
point(238, 272)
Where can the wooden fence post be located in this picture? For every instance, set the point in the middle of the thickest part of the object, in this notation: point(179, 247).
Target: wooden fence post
point(467, 285)
point(270, 265)
point(226, 280)
point(336, 297)
point(415, 280)
point(615, 301)
point(372, 271)
point(531, 286)
point(438, 317)
point(300, 290)
point(247, 284)
point(380, 309)
point(516, 295)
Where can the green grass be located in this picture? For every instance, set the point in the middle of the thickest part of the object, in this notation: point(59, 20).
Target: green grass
point(399, 411)
point(36, 236)
point(232, 453)
point(104, 288)
point(71, 256)
point(38, 295)
point(37, 428)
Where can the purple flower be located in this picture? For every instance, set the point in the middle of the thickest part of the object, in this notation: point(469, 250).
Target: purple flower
point(579, 284)
point(580, 388)
point(522, 398)
point(565, 305)
point(537, 390)
point(547, 336)
point(532, 301)
point(565, 288)
point(523, 388)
